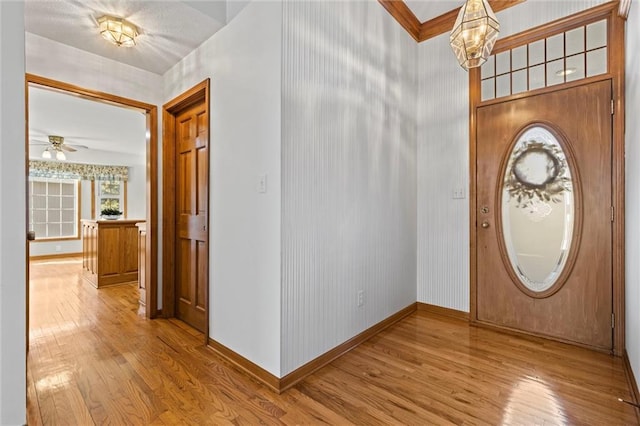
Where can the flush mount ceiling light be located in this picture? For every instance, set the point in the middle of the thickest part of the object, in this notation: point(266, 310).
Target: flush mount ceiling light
point(118, 31)
point(474, 33)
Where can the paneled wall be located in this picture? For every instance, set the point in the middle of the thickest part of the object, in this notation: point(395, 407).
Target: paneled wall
point(443, 126)
point(443, 158)
point(348, 173)
point(632, 82)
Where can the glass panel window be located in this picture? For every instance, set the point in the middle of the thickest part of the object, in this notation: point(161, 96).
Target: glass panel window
point(575, 41)
point(503, 62)
point(536, 52)
point(569, 56)
point(536, 77)
point(596, 35)
point(488, 68)
point(555, 47)
point(503, 84)
point(488, 89)
point(597, 62)
point(519, 82)
point(53, 208)
point(555, 72)
point(519, 58)
point(575, 67)
point(110, 196)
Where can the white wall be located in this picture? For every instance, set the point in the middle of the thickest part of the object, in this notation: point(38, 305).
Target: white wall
point(349, 173)
point(243, 61)
point(12, 218)
point(443, 140)
point(632, 237)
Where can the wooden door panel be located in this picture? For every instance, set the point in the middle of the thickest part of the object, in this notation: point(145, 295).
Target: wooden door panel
point(202, 130)
point(202, 177)
point(184, 181)
point(202, 260)
point(192, 192)
point(184, 272)
point(581, 310)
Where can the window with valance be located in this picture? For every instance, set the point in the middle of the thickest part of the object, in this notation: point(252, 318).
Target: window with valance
point(65, 170)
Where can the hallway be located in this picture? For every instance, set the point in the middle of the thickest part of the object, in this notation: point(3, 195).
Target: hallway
point(94, 359)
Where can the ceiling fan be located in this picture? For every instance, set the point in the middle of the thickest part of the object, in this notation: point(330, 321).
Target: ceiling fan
point(56, 144)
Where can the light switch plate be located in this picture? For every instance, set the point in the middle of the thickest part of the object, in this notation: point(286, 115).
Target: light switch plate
point(458, 192)
point(262, 184)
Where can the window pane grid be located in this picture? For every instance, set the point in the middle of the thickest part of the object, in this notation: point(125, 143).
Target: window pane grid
point(53, 208)
point(111, 195)
point(573, 55)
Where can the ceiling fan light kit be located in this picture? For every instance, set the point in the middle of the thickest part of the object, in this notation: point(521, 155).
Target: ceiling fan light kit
point(474, 33)
point(57, 145)
point(118, 31)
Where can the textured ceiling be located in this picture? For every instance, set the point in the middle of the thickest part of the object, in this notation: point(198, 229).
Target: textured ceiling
point(169, 30)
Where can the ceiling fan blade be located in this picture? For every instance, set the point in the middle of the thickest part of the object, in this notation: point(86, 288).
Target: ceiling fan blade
point(67, 148)
point(43, 143)
point(76, 146)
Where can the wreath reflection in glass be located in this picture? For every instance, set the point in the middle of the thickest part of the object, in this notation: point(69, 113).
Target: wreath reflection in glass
point(537, 174)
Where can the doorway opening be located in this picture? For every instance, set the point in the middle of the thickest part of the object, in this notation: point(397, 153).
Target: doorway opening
point(109, 196)
point(561, 61)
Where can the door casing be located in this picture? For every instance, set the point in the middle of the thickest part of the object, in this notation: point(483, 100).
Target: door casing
point(198, 93)
point(151, 113)
point(616, 61)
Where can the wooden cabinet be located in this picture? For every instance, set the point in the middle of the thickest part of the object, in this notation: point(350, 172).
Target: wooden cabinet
point(142, 249)
point(110, 251)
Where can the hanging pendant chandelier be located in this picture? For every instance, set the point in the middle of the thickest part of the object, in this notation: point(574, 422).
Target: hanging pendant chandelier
point(474, 33)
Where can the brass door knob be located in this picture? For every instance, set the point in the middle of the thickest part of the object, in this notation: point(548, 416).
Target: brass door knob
point(485, 224)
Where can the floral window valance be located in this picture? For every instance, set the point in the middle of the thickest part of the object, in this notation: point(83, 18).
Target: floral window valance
point(64, 170)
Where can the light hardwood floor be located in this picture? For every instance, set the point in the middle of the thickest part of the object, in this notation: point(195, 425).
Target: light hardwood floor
point(94, 359)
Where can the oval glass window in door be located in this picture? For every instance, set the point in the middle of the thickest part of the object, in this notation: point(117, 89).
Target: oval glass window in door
point(538, 209)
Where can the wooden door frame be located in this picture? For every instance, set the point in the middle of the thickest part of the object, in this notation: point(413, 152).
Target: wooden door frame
point(616, 74)
point(151, 113)
point(198, 93)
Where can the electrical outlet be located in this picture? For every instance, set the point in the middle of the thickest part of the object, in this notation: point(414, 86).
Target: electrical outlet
point(58, 248)
point(360, 298)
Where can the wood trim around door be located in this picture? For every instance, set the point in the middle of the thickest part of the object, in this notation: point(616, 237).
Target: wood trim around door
point(616, 58)
point(151, 112)
point(170, 110)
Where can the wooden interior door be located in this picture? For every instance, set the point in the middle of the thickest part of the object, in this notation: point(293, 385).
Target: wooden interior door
point(580, 309)
point(192, 189)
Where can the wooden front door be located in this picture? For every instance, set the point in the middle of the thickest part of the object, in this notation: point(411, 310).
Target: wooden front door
point(192, 189)
point(578, 307)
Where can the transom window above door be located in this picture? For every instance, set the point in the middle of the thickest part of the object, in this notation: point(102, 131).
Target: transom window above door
point(572, 55)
